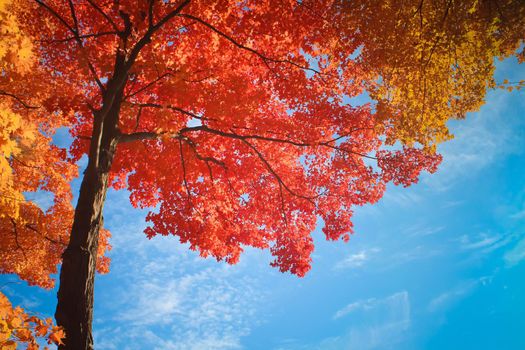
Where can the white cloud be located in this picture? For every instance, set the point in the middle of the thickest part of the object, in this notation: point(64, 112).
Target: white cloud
point(484, 243)
point(395, 304)
point(452, 204)
point(518, 215)
point(482, 140)
point(409, 255)
point(422, 229)
point(516, 254)
point(401, 196)
point(446, 299)
point(164, 296)
point(358, 305)
point(379, 323)
point(211, 308)
point(356, 260)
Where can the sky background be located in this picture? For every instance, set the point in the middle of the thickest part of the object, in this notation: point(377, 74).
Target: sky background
point(438, 265)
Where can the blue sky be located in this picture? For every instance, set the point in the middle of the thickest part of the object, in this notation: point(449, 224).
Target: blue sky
point(439, 265)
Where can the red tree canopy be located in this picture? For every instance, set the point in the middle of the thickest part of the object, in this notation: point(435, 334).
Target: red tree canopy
point(235, 128)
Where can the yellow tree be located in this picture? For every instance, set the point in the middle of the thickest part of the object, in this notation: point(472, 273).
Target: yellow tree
point(31, 239)
point(431, 60)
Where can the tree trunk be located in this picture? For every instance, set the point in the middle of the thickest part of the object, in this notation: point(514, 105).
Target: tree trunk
point(74, 310)
point(77, 276)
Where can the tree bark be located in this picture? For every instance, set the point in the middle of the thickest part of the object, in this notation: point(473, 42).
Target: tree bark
point(77, 276)
point(74, 310)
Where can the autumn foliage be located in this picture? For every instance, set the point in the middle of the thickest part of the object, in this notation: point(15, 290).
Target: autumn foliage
point(17, 327)
point(230, 120)
point(32, 238)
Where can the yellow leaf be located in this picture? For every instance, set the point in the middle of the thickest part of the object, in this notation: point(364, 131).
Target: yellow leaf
point(9, 345)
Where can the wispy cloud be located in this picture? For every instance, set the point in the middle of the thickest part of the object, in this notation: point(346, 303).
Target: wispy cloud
point(357, 305)
point(481, 141)
point(397, 303)
point(401, 196)
point(452, 204)
point(481, 241)
point(356, 260)
point(484, 243)
point(516, 254)
point(409, 255)
point(518, 215)
point(207, 308)
point(164, 296)
point(446, 299)
point(422, 229)
point(381, 323)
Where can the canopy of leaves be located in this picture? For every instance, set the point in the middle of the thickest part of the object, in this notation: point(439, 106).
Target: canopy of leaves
point(234, 125)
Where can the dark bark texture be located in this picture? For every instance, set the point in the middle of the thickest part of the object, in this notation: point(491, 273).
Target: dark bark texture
point(77, 276)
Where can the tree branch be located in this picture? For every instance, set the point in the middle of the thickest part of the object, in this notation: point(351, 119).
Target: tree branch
point(153, 135)
point(147, 36)
point(173, 108)
point(277, 177)
point(137, 119)
point(18, 99)
point(56, 15)
point(18, 246)
point(105, 15)
point(23, 163)
point(75, 32)
point(85, 36)
point(150, 13)
point(264, 58)
point(200, 157)
point(139, 136)
point(185, 181)
point(148, 85)
point(44, 236)
point(74, 16)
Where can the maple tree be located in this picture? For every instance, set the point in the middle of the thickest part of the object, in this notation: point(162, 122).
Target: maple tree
point(229, 118)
